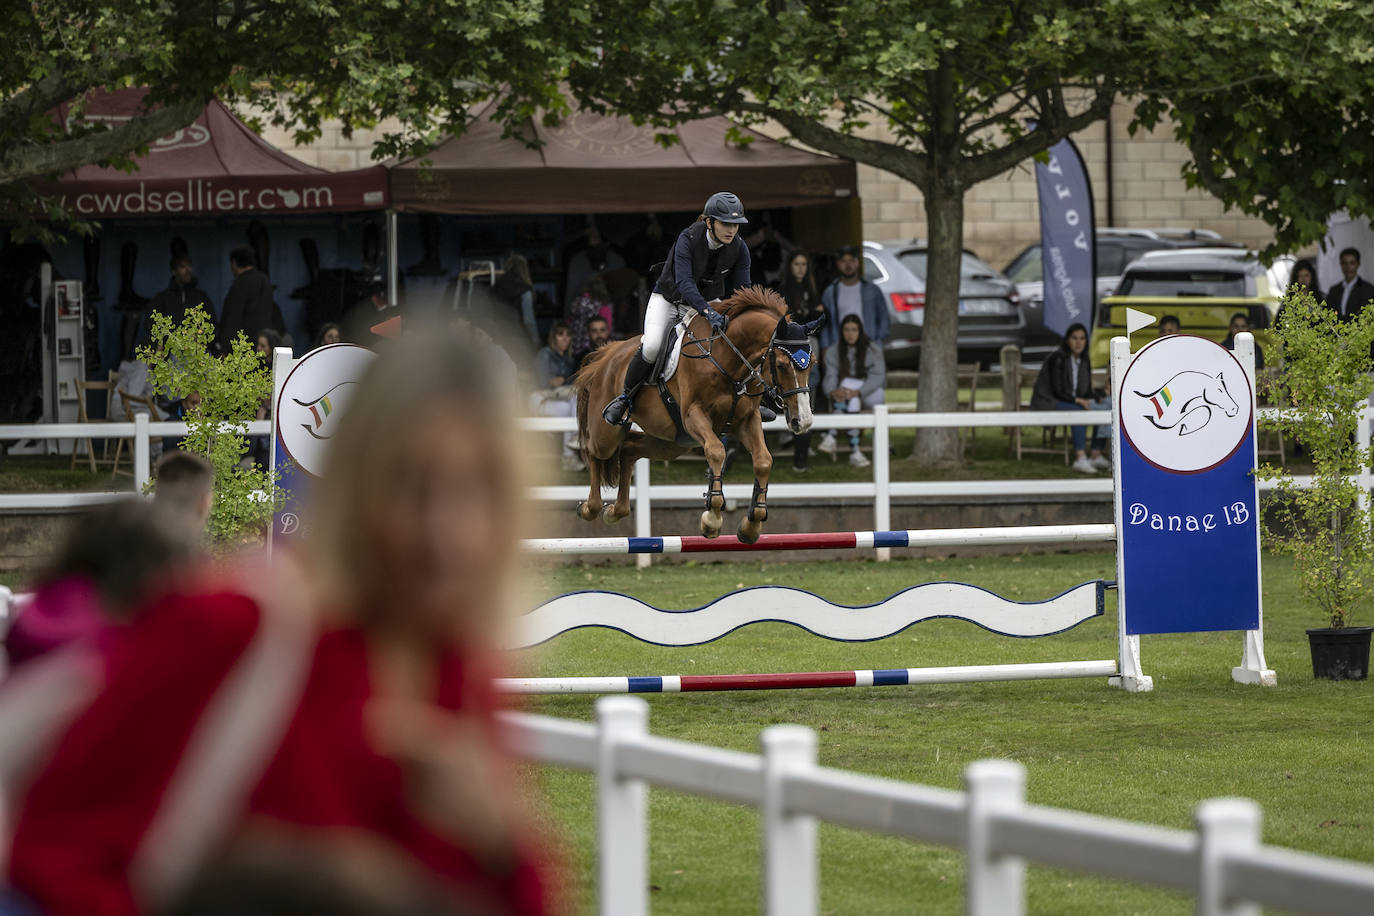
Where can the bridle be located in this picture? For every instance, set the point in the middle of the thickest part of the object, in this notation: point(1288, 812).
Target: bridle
point(798, 352)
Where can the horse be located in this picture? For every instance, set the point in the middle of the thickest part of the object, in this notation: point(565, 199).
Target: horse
point(717, 387)
point(1185, 401)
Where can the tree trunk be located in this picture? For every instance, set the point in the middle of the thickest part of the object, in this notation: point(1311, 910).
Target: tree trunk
point(938, 389)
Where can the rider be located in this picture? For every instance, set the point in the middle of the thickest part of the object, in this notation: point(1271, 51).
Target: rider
point(709, 262)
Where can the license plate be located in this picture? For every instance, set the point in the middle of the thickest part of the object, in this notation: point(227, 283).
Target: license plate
point(980, 307)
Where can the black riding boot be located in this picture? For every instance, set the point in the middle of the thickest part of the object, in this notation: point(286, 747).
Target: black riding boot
point(617, 413)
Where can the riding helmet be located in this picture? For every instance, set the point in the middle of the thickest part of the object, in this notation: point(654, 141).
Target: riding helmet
point(725, 207)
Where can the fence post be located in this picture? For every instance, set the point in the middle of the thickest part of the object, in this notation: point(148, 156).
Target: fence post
point(882, 476)
point(1363, 435)
point(1226, 827)
point(789, 840)
point(143, 460)
point(996, 884)
point(622, 812)
point(644, 507)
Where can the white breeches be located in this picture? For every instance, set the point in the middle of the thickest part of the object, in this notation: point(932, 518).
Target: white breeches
point(659, 315)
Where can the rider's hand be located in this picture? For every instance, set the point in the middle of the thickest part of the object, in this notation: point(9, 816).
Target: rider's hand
point(714, 318)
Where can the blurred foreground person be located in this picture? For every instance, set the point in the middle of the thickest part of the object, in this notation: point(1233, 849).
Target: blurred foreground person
point(113, 560)
point(345, 695)
point(185, 488)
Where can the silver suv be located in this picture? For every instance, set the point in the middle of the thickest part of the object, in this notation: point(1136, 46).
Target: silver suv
point(989, 306)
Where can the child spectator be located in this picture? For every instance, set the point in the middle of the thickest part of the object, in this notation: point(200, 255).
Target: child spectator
point(1065, 382)
point(853, 381)
point(595, 301)
point(1169, 325)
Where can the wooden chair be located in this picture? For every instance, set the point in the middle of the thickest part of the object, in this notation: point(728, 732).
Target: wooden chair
point(968, 372)
point(1054, 440)
point(1271, 443)
point(131, 401)
point(107, 386)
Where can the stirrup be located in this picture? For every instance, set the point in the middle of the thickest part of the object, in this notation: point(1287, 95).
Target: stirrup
point(766, 413)
point(617, 413)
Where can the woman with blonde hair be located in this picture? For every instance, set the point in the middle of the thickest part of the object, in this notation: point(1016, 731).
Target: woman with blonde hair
point(342, 698)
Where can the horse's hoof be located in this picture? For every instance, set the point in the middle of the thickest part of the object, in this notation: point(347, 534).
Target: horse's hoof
point(609, 515)
point(586, 512)
point(749, 530)
point(711, 523)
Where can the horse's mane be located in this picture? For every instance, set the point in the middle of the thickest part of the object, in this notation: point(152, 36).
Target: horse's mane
point(590, 363)
point(754, 299)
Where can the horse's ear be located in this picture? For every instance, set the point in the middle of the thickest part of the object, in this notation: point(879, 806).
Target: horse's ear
point(811, 327)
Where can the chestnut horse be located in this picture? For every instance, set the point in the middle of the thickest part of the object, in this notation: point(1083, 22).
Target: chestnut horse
point(719, 381)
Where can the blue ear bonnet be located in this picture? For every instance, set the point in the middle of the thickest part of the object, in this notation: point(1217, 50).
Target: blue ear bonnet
point(794, 340)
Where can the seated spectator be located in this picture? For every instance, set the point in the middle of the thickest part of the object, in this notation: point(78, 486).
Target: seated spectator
point(594, 301)
point(1169, 325)
point(113, 559)
point(330, 333)
point(1065, 382)
point(854, 378)
point(598, 335)
point(134, 378)
point(554, 397)
point(1240, 324)
point(341, 693)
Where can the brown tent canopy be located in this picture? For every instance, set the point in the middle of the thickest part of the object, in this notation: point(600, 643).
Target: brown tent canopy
point(594, 163)
point(214, 166)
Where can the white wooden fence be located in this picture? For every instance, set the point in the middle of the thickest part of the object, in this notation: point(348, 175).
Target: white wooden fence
point(1222, 863)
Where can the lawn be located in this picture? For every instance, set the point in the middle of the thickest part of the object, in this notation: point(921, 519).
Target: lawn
point(1300, 749)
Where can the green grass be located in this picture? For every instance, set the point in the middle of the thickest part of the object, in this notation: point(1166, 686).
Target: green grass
point(1300, 749)
point(54, 473)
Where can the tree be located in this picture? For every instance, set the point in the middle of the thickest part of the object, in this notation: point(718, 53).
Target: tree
point(297, 61)
point(227, 391)
point(966, 90)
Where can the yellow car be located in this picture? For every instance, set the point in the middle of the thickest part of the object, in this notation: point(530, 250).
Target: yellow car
point(1201, 287)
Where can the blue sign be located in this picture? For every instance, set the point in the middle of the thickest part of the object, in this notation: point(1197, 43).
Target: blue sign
point(1067, 251)
point(1188, 512)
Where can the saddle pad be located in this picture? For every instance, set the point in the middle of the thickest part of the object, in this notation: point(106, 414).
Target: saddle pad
point(674, 352)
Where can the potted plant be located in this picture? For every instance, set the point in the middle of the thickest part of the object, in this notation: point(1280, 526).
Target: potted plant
point(1323, 385)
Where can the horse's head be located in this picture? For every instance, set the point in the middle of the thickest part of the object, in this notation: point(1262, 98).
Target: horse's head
point(1216, 394)
point(789, 370)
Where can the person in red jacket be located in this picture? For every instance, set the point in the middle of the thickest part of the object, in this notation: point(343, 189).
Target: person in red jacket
point(341, 695)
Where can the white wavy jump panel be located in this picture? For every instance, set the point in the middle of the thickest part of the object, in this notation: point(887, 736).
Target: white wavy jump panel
point(810, 612)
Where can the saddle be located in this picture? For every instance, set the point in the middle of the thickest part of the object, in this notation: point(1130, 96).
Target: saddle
point(669, 354)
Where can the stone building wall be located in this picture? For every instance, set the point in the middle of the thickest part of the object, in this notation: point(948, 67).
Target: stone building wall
point(1000, 215)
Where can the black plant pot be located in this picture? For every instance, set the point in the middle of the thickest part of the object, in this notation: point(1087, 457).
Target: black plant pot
point(1340, 655)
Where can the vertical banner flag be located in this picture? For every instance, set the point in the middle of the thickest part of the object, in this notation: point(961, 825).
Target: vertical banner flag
point(1067, 250)
point(1187, 512)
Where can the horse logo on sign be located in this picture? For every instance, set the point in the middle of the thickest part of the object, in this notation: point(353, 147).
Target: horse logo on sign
point(1185, 401)
point(313, 397)
point(1187, 405)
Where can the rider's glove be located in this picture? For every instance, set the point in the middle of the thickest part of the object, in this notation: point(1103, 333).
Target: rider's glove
point(714, 318)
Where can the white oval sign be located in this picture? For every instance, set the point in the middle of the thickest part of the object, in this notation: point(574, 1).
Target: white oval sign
point(314, 397)
point(1186, 404)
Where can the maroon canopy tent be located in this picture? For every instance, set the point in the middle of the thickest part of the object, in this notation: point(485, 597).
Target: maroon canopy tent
point(214, 166)
point(595, 163)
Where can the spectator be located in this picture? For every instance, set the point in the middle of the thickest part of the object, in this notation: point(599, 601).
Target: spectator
point(248, 304)
point(1352, 294)
point(598, 335)
point(259, 451)
point(184, 487)
point(516, 288)
point(553, 370)
point(330, 333)
point(344, 695)
point(1305, 276)
point(1065, 382)
point(850, 294)
point(1169, 325)
point(182, 293)
point(596, 257)
point(266, 343)
point(854, 378)
point(594, 301)
point(798, 289)
point(112, 559)
point(1240, 324)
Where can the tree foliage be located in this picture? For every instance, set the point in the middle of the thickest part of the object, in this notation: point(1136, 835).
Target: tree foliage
point(1323, 387)
point(299, 62)
point(230, 388)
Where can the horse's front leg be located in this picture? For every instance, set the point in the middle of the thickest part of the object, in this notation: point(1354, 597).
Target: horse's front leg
point(614, 512)
point(700, 427)
point(751, 437)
